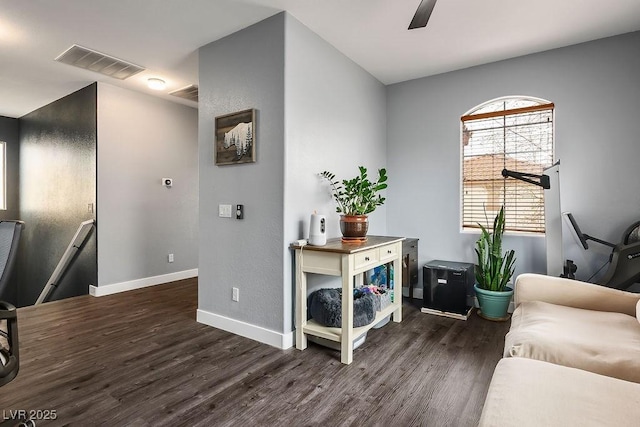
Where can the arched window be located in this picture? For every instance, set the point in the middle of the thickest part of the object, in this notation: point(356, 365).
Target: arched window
point(514, 133)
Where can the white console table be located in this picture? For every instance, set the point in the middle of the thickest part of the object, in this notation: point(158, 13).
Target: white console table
point(348, 261)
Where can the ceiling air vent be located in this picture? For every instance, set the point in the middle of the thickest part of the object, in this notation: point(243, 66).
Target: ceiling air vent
point(190, 92)
point(92, 60)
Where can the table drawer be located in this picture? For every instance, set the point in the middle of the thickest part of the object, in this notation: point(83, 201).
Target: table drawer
point(363, 259)
point(389, 252)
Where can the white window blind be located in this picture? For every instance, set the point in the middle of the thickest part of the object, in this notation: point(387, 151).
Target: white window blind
point(514, 134)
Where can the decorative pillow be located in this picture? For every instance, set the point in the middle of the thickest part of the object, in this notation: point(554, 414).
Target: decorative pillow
point(325, 307)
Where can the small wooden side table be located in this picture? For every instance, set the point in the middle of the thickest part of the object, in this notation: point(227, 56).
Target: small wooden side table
point(348, 261)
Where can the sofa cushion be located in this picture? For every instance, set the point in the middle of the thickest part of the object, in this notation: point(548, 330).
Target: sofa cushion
point(638, 311)
point(526, 392)
point(602, 342)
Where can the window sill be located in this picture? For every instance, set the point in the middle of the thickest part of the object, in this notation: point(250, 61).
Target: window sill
point(477, 231)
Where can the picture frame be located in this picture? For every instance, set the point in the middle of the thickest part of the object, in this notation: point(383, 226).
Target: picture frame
point(235, 138)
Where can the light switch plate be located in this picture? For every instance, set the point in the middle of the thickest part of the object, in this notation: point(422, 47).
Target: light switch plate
point(224, 211)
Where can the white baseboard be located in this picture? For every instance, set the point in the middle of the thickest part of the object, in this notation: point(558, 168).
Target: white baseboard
point(247, 330)
point(114, 288)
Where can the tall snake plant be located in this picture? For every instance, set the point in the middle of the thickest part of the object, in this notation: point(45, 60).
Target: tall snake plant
point(494, 270)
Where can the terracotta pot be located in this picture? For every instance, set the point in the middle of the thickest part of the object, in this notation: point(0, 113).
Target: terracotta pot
point(354, 227)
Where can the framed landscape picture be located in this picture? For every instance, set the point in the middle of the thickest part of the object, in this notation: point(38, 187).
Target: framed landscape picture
point(235, 138)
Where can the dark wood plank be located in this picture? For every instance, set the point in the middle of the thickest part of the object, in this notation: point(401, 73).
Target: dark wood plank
point(140, 359)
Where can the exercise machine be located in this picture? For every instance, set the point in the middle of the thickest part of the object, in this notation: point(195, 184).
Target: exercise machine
point(550, 182)
point(624, 261)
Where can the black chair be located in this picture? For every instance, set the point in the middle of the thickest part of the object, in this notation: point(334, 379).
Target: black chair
point(9, 238)
point(9, 355)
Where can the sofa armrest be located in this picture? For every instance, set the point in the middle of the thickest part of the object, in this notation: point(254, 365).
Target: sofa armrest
point(573, 293)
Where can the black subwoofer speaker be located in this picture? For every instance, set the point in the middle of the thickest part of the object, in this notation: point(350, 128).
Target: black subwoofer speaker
point(448, 286)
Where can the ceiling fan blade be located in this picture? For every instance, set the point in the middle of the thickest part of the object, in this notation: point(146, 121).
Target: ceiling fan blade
point(422, 15)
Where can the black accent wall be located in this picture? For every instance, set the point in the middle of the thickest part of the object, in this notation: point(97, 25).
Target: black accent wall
point(58, 144)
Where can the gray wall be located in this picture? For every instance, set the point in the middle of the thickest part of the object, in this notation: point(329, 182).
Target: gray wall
point(597, 96)
point(335, 120)
point(142, 139)
point(241, 71)
point(10, 134)
point(316, 110)
point(57, 182)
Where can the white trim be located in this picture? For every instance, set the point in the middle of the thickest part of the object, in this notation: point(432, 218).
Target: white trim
point(114, 288)
point(247, 330)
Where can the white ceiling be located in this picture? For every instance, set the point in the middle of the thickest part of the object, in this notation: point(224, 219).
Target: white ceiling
point(164, 35)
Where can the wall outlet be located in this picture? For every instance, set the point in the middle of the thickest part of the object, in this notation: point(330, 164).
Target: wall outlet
point(235, 294)
point(170, 258)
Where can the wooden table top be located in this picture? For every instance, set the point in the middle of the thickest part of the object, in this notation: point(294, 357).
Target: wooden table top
point(337, 245)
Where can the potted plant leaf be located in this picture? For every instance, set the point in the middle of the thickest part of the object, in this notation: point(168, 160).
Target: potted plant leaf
point(494, 271)
point(356, 198)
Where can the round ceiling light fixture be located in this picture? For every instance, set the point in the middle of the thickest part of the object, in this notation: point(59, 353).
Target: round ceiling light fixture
point(156, 83)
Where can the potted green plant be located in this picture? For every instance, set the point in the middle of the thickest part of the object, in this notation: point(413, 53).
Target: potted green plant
point(356, 198)
point(494, 271)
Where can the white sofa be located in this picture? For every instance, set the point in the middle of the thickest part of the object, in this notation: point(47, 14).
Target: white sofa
point(572, 357)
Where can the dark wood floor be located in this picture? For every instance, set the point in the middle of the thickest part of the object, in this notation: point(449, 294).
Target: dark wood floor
point(140, 359)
